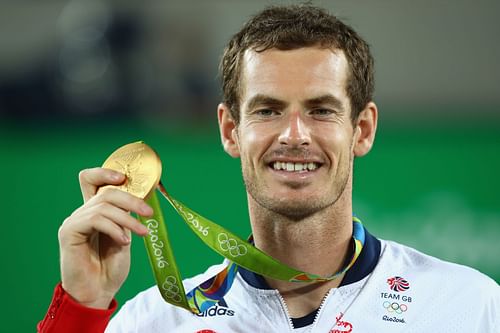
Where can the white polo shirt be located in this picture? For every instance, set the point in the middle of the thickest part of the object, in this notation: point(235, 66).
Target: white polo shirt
point(390, 288)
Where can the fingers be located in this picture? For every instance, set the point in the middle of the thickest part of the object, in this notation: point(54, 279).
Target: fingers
point(122, 218)
point(123, 200)
point(79, 228)
point(109, 227)
point(106, 212)
point(92, 179)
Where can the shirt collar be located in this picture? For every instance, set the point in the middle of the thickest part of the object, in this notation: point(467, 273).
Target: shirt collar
point(364, 265)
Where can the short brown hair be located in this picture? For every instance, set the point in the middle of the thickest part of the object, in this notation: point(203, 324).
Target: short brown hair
point(293, 27)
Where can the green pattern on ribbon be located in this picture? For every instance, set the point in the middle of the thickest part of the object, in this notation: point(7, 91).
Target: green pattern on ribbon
point(161, 256)
point(233, 247)
point(222, 241)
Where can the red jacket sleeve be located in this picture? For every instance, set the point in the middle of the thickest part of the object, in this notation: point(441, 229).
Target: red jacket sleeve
point(66, 315)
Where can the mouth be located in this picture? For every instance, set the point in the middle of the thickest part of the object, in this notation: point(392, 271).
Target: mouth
point(295, 167)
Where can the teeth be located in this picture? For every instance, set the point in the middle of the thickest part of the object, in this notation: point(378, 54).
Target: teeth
point(289, 166)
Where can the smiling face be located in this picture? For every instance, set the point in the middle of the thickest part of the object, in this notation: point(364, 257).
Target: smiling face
point(295, 137)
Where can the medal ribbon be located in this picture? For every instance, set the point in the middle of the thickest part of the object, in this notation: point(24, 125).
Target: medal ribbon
point(238, 251)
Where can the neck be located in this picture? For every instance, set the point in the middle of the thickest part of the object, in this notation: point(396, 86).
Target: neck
point(317, 244)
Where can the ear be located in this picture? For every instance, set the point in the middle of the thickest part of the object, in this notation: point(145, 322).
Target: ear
point(364, 132)
point(228, 131)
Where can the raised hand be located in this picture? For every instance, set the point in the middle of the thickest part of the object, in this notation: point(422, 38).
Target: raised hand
point(95, 240)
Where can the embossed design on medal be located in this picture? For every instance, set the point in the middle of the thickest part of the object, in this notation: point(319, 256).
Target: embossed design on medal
point(141, 166)
point(171, 290)
point(230, 245)
point(131, 165)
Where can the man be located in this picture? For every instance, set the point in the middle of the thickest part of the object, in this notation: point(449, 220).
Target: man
point(297, 109)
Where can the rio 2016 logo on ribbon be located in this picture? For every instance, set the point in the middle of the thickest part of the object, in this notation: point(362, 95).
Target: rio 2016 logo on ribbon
point(395, 307)
point(171, 290)
point(230, 245)
point(157, 245)
point(398, 284)
point(189, 217)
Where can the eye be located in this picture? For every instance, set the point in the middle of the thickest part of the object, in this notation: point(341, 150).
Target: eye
point(265, 112)
point(321, 112)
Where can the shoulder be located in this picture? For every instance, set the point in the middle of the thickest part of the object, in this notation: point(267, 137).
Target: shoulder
point(437, 291)
point(435, 273)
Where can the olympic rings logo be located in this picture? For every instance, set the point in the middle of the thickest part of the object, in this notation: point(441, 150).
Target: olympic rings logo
point(171, 290)
point(230, 245)
point(395, 307)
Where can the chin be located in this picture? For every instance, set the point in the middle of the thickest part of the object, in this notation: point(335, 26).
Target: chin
point(295, 210)
point(295, 213)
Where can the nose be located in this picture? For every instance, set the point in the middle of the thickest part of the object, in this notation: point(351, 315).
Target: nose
point(295, 133)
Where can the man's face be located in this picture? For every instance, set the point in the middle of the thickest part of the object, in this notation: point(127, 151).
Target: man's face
point(295, 136)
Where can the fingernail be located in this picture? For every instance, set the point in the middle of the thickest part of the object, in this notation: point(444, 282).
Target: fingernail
point(126, 239)
point(116, 176)
point(143, 230)
point(147, 210)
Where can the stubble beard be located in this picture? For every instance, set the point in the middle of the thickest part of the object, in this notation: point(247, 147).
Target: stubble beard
point(299, 209)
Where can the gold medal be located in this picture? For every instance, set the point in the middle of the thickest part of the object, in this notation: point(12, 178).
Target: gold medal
point(140, 164)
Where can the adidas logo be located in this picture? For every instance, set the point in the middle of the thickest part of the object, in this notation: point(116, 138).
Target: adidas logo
point(216, 311)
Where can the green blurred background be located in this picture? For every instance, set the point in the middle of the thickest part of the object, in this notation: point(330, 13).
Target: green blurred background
point(80, 78)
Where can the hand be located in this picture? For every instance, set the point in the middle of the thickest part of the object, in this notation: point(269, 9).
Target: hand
point(95, 240)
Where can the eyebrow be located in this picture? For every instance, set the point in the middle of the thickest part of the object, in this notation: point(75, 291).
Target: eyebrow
point(327, 99)
point(261, 99)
